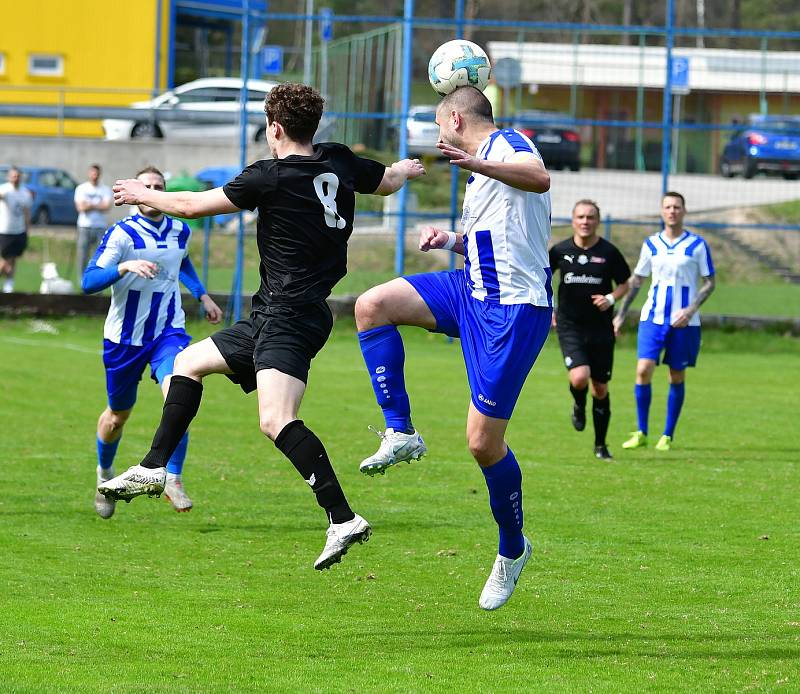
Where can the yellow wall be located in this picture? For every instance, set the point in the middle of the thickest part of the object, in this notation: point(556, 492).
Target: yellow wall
point(109, 57)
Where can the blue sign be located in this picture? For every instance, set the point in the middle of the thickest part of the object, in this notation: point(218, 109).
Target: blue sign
point(272, 60)
point(326, 24)
point(680, 74)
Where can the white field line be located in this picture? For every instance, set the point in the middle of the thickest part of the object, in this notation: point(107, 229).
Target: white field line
point(53, 344)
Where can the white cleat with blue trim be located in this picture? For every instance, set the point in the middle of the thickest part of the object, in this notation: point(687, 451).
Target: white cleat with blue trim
point(396, 447)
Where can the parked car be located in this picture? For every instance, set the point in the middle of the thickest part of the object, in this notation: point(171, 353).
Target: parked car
point(559, 145)
point(53, 193)
point(210, 94)
point(422, 131)
point(769, 143)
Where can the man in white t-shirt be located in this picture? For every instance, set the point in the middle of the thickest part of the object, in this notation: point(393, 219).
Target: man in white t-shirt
point(92, 200)
point(15, 218)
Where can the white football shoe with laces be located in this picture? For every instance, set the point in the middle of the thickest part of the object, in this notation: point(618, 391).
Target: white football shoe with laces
point(503, 579)
point(177, 495)
point(102, 504)
point(135, 481)
point(396, 447)
point(340, 537)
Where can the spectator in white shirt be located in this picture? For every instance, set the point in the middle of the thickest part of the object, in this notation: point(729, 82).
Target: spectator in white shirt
point(15, 218)
point(92, 200)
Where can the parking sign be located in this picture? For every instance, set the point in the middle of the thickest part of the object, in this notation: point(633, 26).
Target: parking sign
point(680, 75)
point(272, 60)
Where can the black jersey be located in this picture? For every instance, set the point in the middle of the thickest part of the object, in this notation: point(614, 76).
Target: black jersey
point(305, 217)
point(585, 272)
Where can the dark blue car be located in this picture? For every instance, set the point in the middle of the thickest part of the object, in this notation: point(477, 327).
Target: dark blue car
point(53, 193)
point(769, 143)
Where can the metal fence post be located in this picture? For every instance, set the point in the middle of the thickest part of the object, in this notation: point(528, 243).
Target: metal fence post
point(666, 113)
point(400, 245)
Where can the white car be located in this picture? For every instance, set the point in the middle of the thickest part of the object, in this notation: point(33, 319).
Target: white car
point(422, 131)
point(208, 94)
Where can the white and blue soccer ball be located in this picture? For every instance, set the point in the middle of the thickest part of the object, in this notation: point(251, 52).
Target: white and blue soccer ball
point(458, 63)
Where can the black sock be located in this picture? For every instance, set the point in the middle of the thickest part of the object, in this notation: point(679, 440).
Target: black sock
point(180, 408)
point(579, 395)
point(601, 414)
point(306, 452)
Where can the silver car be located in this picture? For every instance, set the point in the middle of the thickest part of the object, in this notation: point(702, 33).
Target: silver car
point(422, 131)
point(220, 94)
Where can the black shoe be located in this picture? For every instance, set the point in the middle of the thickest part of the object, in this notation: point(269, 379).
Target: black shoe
point(603, 453)
point(578, 418)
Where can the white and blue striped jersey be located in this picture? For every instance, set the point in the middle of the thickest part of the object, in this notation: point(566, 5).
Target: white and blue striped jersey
point(142, 309)
point(676, 268)
point(506, 231)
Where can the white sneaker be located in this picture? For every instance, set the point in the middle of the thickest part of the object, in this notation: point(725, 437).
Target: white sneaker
point(176, 495)
point(340, 537)
point(503, 579)
point(396, 447)
point(102, 504)
point(135, 481)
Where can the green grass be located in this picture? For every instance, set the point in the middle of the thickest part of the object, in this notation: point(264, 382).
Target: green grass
point(653, 573)
point(371, 262)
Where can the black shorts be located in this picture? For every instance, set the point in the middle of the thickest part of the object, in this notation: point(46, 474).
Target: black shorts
point(285, 338)
point(590, 347)
point(13, 245)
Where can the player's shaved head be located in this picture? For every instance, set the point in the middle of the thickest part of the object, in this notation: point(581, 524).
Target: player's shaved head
point(469, 102)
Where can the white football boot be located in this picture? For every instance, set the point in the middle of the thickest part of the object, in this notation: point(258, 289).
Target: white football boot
point(135, 481)
point(340, 536)
point(503, 579)
point(177, 495)
point(102, 504)
point(396, 447)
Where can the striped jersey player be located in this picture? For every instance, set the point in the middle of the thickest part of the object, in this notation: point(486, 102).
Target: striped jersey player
point(143, 258)
point(499, 305)
point(682, 278)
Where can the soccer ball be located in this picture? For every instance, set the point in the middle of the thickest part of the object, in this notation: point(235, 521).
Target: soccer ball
point(458, 63)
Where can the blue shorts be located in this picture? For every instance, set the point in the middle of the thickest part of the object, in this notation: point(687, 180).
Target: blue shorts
point(681, 345)
point(125, 365)
point(499, 342)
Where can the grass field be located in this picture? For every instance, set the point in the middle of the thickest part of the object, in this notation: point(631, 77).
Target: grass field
point(743, 288)
point(657, 572)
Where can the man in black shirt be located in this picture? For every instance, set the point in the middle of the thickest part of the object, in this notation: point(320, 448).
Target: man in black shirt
point(306, 201)
point(589, 267)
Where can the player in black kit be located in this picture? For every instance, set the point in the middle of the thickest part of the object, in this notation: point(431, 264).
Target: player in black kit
point(590, 266)
point(305, 198)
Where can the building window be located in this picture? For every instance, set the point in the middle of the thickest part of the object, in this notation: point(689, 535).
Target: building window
point(2, 63)
point(45, 65)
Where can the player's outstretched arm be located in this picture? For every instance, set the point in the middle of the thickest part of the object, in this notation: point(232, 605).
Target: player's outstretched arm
point(431, 238)
point(178, 204)
point(397, 174)
point(523, 171)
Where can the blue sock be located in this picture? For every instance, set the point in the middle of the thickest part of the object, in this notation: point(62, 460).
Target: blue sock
point(504, 480)
point(677, 391)
point(106, 452)
point(385, 358)
point(175, 464)
point(644, 394)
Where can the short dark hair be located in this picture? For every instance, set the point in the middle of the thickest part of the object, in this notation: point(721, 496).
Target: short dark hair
point(150, 169)
point(297, 107)
point(586, 201)
point(468, 101)
point(673, 194)
point(96, 167)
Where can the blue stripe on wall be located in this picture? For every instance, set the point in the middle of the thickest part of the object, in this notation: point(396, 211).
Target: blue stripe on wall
point(483, 242)
point(129, 320)
point(152, 318)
